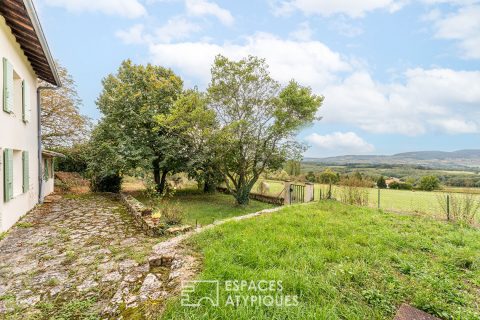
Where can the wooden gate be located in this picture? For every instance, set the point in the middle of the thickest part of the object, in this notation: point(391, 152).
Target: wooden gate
point(297, 193)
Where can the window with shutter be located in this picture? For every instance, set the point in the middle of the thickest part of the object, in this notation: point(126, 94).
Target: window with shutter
point(7, 174)
point(26, 109)
point(45, 170)
point(7, 86)
point(26, 172)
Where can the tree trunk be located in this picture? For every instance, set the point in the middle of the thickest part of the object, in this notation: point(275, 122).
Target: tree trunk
point(162, 183)
point(242, 196)
point(210, 184)
point(156, 172)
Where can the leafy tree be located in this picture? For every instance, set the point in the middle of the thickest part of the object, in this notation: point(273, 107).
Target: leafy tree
point(62, 124)
point(194, 123)
point(130, 101)
point(311, 177)
point(76, 158)
point(381, 183)
point(257, 119)
point(293, 167)
point(328, 176)
point(400, 186)
point(429, 183)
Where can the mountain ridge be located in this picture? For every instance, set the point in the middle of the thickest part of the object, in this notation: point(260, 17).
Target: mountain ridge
point(466, 158)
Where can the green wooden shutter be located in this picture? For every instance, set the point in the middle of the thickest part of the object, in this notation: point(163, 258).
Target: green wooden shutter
point(26, 108)
point(8, 174)
point(45, 170)
point(7, 86)
point(26, 172)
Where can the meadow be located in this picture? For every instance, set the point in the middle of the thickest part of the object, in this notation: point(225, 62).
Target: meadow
point(342, 262)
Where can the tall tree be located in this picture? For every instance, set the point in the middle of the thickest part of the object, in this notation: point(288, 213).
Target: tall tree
point(130, 101)
point(62, 123)
point(191, 121)
point(258, 120)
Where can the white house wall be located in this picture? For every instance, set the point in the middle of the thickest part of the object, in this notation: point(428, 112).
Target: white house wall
point(15, 134)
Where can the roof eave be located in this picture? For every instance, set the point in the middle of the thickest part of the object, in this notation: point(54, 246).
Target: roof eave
point(43, 42)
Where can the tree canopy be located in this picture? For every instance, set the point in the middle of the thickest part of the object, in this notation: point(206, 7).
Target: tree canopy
point(130, 101)
point(257, 119)
point(62, 123)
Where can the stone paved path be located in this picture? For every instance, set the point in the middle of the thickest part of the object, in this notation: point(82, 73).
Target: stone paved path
point(78, 258)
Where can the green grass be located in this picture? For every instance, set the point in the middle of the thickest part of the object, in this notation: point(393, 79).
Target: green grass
point(420, 202)
point(207, 208)
point(343, 262)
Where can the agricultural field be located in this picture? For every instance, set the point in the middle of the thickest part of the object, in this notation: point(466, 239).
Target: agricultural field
point(420, 202)
point(341, 262)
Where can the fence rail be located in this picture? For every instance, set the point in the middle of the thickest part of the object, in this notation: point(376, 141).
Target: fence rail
point(437, 204)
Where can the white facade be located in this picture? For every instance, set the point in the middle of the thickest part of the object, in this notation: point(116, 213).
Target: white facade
point(18, 133)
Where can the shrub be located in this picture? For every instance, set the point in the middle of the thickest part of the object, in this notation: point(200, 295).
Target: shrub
point(76, 159)
point(429, 183)
point(354, 191)
point(400, 186)
point(310, 177)
point(381, 184)
point(109, 183)
point(462, 208)
point(171, 213)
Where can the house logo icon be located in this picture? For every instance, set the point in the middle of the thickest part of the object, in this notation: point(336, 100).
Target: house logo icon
point(210, 293)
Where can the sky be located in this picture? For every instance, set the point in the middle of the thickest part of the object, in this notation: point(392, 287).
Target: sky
point(397, 75)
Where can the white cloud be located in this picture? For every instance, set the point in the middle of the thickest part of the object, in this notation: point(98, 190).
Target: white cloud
point(124, 8)
point(176, 28)
point(310, 62)
point(438, 99)
point(462, 26)
point(204, 8)
point(134, 35)
point(303, 32)
point(354, 9)
point(340, 143)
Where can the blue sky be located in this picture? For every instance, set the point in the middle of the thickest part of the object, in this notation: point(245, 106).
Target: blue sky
point(397, 75)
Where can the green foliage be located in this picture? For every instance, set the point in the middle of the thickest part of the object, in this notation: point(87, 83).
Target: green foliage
point(310, 177)
point(293, 167)
point(171, 213)
point(108, 183)
point(381, 184)
point(328, 176)
point(76, 158)
point(257, 121)
point(193, 123)
point(128, 136)
point(400, 186)
point(429, 183)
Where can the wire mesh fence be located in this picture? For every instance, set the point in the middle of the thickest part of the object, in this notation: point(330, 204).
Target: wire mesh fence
point(443, 205)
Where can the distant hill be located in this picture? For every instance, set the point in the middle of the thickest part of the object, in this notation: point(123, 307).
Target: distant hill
point(433, 159)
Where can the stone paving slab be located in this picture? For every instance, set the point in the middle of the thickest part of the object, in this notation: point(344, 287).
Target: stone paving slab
point(80, 253)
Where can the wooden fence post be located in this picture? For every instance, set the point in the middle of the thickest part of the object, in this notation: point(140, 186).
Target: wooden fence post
point(288, 193)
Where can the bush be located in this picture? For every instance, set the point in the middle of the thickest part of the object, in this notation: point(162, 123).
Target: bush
point(171, 213)
point(354, 191)
point(429, 183)
point(76, 159)
point(381, 184)
point(462, 208)
point(400, 186)
point(109, 183)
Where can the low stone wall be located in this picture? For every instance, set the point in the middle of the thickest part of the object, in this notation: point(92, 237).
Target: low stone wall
point(143, 216)
point(279, 201)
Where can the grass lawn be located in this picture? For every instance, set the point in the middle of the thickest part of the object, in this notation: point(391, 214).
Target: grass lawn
point(206, 208)
point(343, 262)
point(421, 202)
